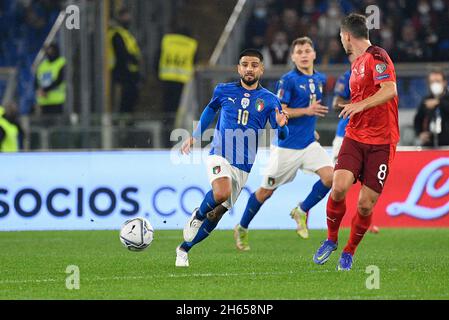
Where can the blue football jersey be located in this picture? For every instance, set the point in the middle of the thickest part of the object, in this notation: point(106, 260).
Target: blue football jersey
point(298, 90)
point(342, 89)
point(244, 114)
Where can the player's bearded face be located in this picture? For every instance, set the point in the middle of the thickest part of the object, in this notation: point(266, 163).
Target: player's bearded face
point(250, 70)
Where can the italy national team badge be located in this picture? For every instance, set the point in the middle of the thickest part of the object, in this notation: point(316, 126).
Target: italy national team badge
point(271, 181)
point(260, 105)
point(381, 67)
point(245, 103)
point(216, 170)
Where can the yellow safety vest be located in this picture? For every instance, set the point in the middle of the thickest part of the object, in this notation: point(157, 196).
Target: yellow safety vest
point(131, 46)
point(47, 73)
point(10, 143)
point(177, 58)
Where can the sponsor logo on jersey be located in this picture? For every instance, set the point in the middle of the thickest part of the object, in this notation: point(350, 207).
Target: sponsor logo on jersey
point(385, 76)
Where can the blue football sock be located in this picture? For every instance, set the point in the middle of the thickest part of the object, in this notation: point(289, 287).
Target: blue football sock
point(206, 228)
point(251, 210)
point(206, 206)
point(319, 191)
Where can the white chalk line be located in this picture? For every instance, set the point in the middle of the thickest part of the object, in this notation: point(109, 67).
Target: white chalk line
point(170, 275)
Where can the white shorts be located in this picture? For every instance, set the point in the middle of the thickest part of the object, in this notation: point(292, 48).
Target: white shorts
point(219, 167)
point(284, 163)
point(336, 145)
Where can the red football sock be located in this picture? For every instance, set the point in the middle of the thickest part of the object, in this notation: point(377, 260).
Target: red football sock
point(335, 212)
point(360, 224)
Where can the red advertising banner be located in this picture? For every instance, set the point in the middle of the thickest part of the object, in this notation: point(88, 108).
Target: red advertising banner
point(416, 193)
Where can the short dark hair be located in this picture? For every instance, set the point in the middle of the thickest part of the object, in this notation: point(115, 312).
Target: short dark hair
point(251, 53)
point(438, 71)
point(301, 41)
point(355, 24)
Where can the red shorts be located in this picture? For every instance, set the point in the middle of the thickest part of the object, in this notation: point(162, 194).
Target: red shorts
point(370, 163)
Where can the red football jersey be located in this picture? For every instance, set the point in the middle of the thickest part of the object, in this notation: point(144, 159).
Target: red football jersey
point(378, 125)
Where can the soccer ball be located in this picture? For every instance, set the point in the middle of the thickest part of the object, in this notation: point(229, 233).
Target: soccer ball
point(136, 234)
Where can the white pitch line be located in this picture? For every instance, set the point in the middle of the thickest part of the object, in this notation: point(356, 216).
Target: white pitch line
point(171, 275)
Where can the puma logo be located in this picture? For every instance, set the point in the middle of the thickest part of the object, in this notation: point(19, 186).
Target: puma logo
point(233, 100)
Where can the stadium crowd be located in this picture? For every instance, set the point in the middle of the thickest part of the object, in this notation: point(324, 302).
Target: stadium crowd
point(416, 29)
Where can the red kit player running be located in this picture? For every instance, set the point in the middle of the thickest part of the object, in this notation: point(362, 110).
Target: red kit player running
point(370, 142)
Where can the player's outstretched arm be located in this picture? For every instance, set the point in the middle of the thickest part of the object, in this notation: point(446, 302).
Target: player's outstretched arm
point(386, 92)
point(206, 119)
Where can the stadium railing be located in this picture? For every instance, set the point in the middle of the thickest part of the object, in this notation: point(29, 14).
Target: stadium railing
point(8, 84)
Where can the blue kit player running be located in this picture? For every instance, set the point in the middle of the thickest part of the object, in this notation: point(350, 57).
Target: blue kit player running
point(342, 96)
point(300, 92)
point(342, 93)
point(246, 107)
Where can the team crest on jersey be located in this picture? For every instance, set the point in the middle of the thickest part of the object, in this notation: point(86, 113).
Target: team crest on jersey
point(381, 67)
point(245, 103)
point(216, 170)
point(312, 87)
point(246, 95)
point(271, 181)
point(260, 105)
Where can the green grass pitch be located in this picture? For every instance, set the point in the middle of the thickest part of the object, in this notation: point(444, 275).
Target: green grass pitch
point(413, 264)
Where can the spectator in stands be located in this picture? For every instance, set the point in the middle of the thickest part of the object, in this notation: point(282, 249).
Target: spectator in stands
point(176, 64)
point(329, 22)
point(49, 82)
point(410, 49)
point(417, 28)
point(432, 118)
point(124, 59)
point(334, 54)
point(10, 130)
point(257, 24)
point(290, 23)
point(278, 50)
point(309, 11)
point(387, 41)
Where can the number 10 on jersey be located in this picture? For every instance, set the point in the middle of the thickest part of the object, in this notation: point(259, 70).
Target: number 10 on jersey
point(243, 117)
